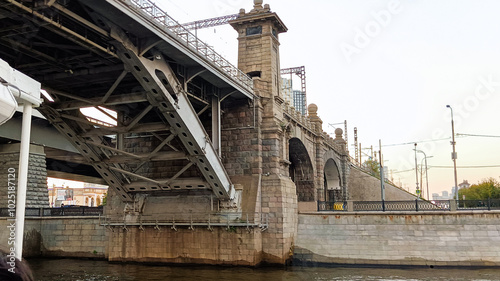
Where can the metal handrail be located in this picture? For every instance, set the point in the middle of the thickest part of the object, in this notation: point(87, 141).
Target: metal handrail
point(161, 19)
point(57, 212)
point(417, 205)
point(173, 220)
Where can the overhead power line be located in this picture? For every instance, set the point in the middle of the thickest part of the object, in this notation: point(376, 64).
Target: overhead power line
point(413, 142)
point(442, 139)
point(467, 167)
point(482, 136)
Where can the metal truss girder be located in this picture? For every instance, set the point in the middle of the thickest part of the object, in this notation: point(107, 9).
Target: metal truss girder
point(159, 156)
point(199, 24)
point(149, 15)
point(177, 184)
point(140, 128)
point(155, 76)
point(88, 152)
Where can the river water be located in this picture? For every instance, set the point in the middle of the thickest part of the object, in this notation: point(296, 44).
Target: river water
point(88, 270)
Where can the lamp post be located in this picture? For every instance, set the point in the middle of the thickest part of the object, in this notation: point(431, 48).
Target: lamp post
point(416, 171)
point(426, 175)
point(454, 154)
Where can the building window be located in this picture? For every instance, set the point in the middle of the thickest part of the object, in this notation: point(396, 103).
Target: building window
point(254, 30)
point(254, 74)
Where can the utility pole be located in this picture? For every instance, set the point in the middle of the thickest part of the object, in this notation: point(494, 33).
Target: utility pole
point(417, 191)
point(454, 153)
point(382, 187)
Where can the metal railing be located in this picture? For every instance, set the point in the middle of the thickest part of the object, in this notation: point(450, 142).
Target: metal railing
point(410, 205)
point(57, 212)
point(488, 204)
point(150, 11)
point(413, 205)
point(208, 220)
point(332, 206)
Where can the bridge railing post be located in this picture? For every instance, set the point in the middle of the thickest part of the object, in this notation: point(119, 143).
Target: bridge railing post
point(350, 205)
point(453, 205)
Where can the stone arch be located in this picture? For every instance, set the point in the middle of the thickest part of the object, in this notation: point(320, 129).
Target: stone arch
point(301, 170)
point(332, 181)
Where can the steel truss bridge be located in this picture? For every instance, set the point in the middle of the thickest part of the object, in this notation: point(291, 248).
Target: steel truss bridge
point(129, 56)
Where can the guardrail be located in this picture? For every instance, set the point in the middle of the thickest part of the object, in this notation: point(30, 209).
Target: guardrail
point(410, 205)
point(56, 212)
point(228, 220)
point(161, 19)
point(413, 205)
point(488, 204)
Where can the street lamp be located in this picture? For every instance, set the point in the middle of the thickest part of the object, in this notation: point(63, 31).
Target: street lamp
point(426, 175)
point(416, 172)
point(454, 154)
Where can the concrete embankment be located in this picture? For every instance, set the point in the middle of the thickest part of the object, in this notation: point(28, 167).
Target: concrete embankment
point(465, 238)
point(60, 237)
point(417, 238)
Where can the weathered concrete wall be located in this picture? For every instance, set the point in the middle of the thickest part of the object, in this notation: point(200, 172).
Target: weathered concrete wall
point(438, 239)
point(279, 202)
point(37, 194)
point(60, 237)
point(365, 187)
point(235, 246)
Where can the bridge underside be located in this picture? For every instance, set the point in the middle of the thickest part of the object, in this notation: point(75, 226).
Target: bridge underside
point(163, 96)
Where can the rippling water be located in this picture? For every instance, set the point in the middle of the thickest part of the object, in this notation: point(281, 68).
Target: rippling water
point(86, 270)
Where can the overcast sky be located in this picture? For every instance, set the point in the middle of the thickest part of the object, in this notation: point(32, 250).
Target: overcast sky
point(390, 68)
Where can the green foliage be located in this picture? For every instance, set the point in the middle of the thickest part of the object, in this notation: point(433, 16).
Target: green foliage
point(487, 188)
point(105, 199)
point(373, 167)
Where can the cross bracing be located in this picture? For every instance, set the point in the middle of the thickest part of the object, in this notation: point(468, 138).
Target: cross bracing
point(126, 56)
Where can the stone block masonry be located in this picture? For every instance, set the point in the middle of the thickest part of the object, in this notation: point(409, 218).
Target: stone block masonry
point(417, 239)
point(37, 193)
point(60, 237)
point(219, 246)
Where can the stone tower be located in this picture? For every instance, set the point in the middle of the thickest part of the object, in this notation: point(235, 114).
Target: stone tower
point(258, 56)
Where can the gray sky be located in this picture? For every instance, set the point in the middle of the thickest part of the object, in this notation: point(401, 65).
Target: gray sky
point(390, 68)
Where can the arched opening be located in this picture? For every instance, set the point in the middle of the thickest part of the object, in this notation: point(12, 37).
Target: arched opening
point(92, 202)
point(333, 191)
point(301, 171)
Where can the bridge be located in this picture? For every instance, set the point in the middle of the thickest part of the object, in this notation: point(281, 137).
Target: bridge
point(193, 141)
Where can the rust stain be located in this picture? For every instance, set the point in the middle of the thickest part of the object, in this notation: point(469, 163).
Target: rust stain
point(325, 217)
point(337, 217)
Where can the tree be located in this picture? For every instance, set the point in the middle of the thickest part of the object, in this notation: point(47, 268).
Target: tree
point(373, 167)
point(486, 188)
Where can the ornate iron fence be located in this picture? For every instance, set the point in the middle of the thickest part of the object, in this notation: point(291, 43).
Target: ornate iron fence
point(410, 205)
point(57, 212)
point(489, 204)
point(413, 205)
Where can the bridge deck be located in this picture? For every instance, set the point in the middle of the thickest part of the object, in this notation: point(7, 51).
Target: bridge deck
point(133, 58)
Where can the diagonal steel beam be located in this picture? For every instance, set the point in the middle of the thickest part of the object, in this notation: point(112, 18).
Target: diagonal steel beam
point(87, 151)
point(167, 93)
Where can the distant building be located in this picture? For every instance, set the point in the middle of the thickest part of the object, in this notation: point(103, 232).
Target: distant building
point(464, 184)
point(299, 101)
point(286, 90)
point(444, 196)
point(91, 195)
point(294, 97)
